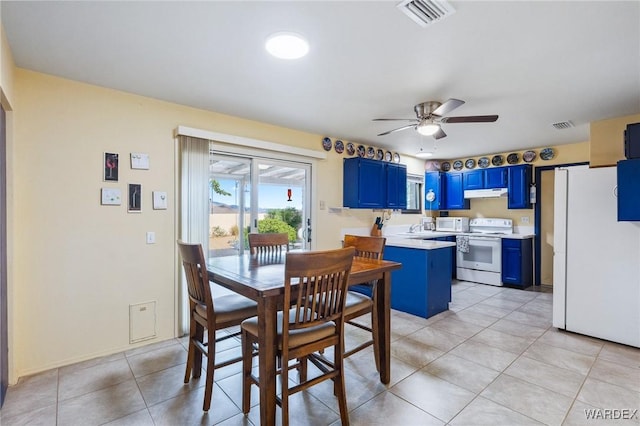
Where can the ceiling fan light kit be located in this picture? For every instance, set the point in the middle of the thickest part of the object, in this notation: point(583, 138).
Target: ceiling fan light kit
point(426, 128)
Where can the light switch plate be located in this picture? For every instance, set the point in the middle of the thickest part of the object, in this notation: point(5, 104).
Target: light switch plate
point(159, 200)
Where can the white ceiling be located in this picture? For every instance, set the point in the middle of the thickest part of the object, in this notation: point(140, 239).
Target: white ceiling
point(532, 62)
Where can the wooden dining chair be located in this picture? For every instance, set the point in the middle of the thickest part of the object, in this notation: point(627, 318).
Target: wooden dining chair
point(358, 301)
point(207, 316)
point(315, 286)
point(268, 243)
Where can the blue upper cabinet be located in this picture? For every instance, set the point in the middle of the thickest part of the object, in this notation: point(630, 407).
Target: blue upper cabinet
point(434, 191)
point(373, 184)
point(396, 186)
point(454, 192)
point(519, 183)
point(628, 192)
point(495, 177)
point(473, 180)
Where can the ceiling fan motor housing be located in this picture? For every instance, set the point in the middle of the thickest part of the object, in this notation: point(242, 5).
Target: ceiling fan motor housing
point(425, 109)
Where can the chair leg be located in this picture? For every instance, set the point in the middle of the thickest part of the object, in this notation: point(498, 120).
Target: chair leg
point(211, 366)
point(197, 355)
point(190, 353)
point(374, 333)
point(339, 386)
point(302, 369)
point(284, 378)
point(247, 350)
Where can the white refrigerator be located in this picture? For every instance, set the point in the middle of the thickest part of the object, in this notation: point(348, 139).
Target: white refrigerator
point(596, 260)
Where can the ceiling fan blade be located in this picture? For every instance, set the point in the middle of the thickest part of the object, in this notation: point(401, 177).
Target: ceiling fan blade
point(470, 119)
point(439, 134)
point(447, 107)
point(398, 129)
point(394, 119)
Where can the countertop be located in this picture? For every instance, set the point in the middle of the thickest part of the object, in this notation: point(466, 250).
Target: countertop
point(416, 243)
point(437, 234)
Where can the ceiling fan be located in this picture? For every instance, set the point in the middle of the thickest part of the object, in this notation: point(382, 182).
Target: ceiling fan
point(430, 114)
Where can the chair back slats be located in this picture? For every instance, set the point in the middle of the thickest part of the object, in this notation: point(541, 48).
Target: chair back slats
point(269, 243)
point(195, 271)
point(322, 279)
point(368, 247)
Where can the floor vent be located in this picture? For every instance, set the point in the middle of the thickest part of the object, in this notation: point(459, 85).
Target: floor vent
point(562, 125)
point(425, 12)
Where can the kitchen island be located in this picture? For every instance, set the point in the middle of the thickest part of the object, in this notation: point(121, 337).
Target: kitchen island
point(422, 286)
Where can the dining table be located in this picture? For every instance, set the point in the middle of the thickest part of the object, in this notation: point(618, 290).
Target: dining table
point(261, 278)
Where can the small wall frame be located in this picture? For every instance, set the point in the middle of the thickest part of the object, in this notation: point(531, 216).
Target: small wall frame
point(110, 166)
point(135, 198)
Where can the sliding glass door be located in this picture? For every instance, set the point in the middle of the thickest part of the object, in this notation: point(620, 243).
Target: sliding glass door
point(256, 195)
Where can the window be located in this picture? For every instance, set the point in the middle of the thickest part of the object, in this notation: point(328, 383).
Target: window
point(414, 194)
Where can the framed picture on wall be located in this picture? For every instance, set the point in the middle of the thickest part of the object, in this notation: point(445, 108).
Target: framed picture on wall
point(110, 165)
point(135, 198)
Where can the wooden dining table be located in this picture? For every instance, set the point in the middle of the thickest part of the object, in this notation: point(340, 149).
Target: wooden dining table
point(261, 278)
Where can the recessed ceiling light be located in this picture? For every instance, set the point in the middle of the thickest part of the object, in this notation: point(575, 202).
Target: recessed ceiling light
point(287, 45)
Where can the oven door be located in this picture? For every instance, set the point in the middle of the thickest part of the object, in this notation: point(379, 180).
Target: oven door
point(484, 254)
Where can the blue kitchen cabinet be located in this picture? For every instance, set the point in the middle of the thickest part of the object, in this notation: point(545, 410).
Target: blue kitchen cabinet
point(454, 192)
point(422, 286)
point(495, 177)
point(628, 190)
point(396, 186)
point(373, 184)
point(517, 262)
point(454, 253)
point(434, 184)
point(519, 184)
point(473, 179)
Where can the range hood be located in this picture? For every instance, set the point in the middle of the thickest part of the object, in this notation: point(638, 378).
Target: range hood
point(485, 193)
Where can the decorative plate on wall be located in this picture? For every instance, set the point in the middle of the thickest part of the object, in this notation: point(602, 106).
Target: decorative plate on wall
point(497, 160)
point(483, 162)
point(457, 165)
point(339, 146)
point(371, 152)
point(396, 158)
point(529, 156)
point(470, 163)
point(513, 158)
point(379, 154)
point(547, 154)
point(361, 151)
point(388, 156)
point(326, 144)
point(350, 148)
point(445, 166)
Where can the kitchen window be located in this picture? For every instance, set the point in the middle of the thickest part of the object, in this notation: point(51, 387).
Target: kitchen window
point(414, 194)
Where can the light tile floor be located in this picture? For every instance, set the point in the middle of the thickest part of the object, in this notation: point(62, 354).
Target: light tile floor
point(492, 359)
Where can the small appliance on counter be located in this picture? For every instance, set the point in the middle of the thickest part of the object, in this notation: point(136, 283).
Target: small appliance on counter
point(452, 224)
point(427, 224)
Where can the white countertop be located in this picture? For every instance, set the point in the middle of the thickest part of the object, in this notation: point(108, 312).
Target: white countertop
point(437, 234)
point(417, 243)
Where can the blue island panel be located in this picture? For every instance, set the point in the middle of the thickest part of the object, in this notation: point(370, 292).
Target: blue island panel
point(422, 286)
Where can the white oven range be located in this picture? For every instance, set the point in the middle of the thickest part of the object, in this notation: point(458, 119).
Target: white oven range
point(479, 252)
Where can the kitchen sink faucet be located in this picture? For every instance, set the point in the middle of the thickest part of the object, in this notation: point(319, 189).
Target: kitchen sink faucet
point(415, 226)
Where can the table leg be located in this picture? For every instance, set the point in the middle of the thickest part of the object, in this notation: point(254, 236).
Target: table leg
point(267, 311)
point(383, 298)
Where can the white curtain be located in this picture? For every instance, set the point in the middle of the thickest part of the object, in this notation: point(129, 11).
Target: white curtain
point(194, 209)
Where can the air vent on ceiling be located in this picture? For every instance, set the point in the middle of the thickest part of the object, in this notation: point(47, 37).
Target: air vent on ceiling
point(425, 12)
point(562, 125)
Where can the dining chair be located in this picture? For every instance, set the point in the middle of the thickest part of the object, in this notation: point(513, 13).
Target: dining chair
point(358, 301)
point(268, 243)
point(207, 316)
point(315, 287)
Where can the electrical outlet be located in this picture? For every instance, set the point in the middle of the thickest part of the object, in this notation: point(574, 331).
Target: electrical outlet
point(524, 219)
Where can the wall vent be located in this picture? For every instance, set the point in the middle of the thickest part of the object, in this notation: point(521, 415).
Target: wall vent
point(425, 12)
point(562, 125)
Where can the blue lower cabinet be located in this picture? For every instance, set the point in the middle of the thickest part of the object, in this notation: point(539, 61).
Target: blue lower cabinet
point(422, 286)
point(453, 253)
point(517, 262)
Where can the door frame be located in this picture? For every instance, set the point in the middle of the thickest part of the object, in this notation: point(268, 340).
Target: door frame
point(4, 341)
point(538, 214)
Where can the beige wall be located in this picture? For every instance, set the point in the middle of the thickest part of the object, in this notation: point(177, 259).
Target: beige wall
point(607, 140)
point(78, 265)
